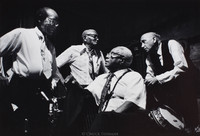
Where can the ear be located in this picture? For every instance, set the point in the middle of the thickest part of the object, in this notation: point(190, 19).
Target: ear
point(154, 39)
point(121, 61)
point(84, 37)
point(39, 21)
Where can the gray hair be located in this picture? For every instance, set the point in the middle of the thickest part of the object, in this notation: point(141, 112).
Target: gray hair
point(126, 53)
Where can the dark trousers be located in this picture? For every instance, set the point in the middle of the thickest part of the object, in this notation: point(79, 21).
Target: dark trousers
point(31, 117)
point(79, 111)
point(6, 112)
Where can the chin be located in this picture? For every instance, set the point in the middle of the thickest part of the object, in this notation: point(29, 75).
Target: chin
point(106, 64)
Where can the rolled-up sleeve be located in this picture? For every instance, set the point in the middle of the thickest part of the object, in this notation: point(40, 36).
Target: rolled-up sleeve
point(65, 57)
point(180, 63)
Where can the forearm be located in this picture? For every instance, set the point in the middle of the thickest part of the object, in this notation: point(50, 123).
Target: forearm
point(125, 106)
point(172, 74)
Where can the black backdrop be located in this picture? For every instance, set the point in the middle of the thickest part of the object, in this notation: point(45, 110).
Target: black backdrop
point(118, 22)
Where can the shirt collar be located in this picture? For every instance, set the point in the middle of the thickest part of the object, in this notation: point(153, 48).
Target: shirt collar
point(159, 52)
point(39, 34)
point(85, 49)
point(119, 73)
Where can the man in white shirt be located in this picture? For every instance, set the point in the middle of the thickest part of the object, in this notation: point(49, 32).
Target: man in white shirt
point(127, 85)
point(124, 98)
point(168, 77)
point(33, 70)
point(86, 62)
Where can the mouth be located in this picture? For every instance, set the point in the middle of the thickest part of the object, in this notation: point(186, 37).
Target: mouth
point(146, 49)
point(106, 61)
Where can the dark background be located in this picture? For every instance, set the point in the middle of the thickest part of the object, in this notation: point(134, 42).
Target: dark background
point(118, 22)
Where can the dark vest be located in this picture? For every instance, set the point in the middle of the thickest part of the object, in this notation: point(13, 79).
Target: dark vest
point(167, 60)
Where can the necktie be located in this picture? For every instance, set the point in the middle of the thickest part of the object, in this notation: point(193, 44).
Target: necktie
point(104, 92)
point(91, 65)
point(46, 61)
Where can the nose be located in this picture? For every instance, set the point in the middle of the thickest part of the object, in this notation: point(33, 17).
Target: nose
point(107, 55)
point(143, 45)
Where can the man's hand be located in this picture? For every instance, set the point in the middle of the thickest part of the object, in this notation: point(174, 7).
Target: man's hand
point(151, 81)
point(53, 83)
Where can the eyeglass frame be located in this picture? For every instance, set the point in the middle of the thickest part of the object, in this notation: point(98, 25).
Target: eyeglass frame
point(95, 36)
point(114, 53)
point(52, 21)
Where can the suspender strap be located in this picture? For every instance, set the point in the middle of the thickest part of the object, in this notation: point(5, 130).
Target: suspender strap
point(108, 96)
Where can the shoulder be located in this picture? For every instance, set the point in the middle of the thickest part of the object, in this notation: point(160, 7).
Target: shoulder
point(23, 30)
point(172, 41)
point(134, 75)
point(132, 72)
point(71, 51)
point(75, 48)
point(16, 31)
point(102, 76)
point(174, 44)
point(14, 34)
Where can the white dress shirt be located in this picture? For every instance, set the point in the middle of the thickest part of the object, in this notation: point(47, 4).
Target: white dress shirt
point(77, 58)
point(26, 44)
point(130, 87)
point(180, 63)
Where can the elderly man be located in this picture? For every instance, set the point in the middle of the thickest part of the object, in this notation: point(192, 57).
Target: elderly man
point(86, 63)
point(120, 91)
point(169, 77)
point(33, 70)
point(126, 86)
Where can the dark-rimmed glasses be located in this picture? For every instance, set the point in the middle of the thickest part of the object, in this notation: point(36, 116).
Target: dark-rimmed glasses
point(52, 21)
point(114, 55)
point(95, 36)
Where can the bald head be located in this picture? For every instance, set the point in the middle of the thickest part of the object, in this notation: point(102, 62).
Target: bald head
point(45, 12)
point(89, 31)
point(47, 21)
point(126, 54)
point(150, 41)
point(151, 35)
point(90, 38)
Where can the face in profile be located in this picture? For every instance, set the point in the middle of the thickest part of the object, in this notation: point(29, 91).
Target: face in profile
point(113, 59)
point(147, 41)
point(91, 37)
point(50, 23)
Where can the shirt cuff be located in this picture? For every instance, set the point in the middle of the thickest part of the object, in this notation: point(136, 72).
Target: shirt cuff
point(159, 80)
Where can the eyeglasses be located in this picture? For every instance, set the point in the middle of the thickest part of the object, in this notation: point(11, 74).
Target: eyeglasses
point(95, 36)
point(52, 21)
point(114, 55)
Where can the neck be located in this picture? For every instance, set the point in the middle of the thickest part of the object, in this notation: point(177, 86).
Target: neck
point(89, 47)
point(114, 69)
